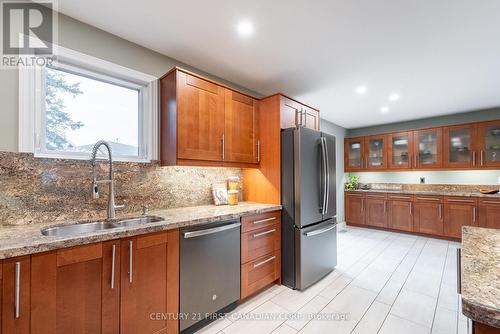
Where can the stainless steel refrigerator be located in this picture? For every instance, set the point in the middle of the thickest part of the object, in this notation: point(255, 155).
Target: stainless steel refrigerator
point(309, 232)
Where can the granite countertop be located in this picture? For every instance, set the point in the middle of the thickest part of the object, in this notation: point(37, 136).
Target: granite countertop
point(481, 275)
point(27, 239)
point(417, 192)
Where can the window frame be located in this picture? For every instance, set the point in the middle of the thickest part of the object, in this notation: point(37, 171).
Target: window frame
point(32, 103)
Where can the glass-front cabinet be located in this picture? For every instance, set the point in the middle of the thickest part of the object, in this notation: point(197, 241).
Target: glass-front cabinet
point(459, 146)
point(400, 152)
point(488, 137)
point(354, 154)
point(428, 148)
point(376, 152)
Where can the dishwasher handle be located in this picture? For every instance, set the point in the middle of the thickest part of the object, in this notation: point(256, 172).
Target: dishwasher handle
point(208, 231)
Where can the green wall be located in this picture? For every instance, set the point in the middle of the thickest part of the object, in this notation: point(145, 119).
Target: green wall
point(466, 117)
point(86, 39)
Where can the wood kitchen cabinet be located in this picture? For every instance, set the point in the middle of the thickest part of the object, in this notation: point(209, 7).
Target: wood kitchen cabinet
point(488, 142)
point(16, 276)
point(376, 152)
point(428, 148)
point(429, 215)
point(241, 128)
point(150, 283)
point(355, 208)
point(460, 146)
point(204, 123)
point(76, 290)
point(354, 154)
point(400, 216)
point(400, 150)
point(458, 212)
point(295, 114)
point(376, 210)
point(489, 212)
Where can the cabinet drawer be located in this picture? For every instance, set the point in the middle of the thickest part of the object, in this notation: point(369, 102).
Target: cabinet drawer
point(259, 273)
point(429, 199)
point(257, 243)
point(355, 194)
point(376, 196)
point(461, 200)
point(489, 202)
point(254, 222)
point(400, 197)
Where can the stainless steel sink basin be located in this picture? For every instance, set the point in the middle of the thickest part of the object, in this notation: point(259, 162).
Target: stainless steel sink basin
point(75, 229)
point(137, 221)
point(68, 230)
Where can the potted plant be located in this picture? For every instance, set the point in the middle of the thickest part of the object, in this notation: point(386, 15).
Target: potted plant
point(352, 182)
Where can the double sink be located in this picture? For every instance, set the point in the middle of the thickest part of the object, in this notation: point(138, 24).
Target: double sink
point(82, 228)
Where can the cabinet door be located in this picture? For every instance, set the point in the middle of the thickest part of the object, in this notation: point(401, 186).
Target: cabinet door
point(489, 213)
point(376, 211)
point(428, 217)
point(401, 215)
point(149, 283)
point(355, 209)
point(428, 148)
point(400, 150)
point(241, 128)
point(310, 118)
point(200, 119)
point(16, 273)
point(354, 157)
point(458, 214)
point(488, 137)
point(459, 145)
point(289, 113)
point(376, 152)
point(76, 290)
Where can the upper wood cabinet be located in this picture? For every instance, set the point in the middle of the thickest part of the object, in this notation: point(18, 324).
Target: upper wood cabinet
point(76, 290)
point(459, 146)
point(400, 150)
point(428, 148)
point(16, 276)
point(295, 114)
point(488, 143)
point(205, 123)
point(376, 152)
point(241, 128)
point(354, 154)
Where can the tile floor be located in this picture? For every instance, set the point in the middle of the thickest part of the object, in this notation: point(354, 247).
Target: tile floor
point(385, 282)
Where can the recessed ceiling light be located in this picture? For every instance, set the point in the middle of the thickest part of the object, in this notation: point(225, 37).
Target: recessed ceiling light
point(394, 97)
point(384, 109)
point(245, 28)
point(361, 90)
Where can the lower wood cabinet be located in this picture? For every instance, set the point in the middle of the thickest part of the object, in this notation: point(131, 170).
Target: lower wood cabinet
point(458, 212)
point(400, 215)
point(429, 215)
point(376, 210)
point(489, 213)
point(110, 287)
point(15, 278)
point(260, 251)
point(355, 208)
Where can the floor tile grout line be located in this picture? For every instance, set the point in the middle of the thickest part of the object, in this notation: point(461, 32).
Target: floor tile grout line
point(402, 286)
point(440, 284)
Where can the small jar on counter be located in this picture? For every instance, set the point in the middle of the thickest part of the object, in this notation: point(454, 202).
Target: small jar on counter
point(233, 183)
point(232, 197)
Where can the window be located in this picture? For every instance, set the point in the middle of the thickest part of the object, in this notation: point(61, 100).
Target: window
point(81, 100)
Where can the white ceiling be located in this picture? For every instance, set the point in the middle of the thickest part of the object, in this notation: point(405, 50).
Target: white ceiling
point(441, 56)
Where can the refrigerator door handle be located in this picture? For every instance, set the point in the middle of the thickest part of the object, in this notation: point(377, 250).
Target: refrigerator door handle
point(320, 231)
point(327, 183)
point(324, 185)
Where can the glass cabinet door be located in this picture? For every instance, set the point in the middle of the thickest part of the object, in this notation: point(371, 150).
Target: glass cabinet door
point(489, 139)
point(459, 146)
point(376, 152)
point(429, 148)
point(354, 154)
point(400, 150)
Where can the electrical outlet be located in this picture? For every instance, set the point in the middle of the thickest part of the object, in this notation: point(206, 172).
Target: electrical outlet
point(422, 180)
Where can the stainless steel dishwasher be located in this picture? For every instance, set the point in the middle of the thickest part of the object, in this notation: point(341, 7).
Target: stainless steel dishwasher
point(209, 272)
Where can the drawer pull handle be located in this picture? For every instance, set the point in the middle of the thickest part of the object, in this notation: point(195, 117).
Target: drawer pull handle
point(264, 262)
point(376, 196)
point(460, 200)
point(17, 291)
point(264, 220)
point(264, 233)
point(490, 202)
point(428, 199)
point(400, 197)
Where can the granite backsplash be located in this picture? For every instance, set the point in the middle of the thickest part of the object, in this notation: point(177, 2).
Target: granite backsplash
point(36, 190)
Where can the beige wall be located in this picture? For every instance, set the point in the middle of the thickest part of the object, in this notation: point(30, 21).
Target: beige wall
point(87, 39)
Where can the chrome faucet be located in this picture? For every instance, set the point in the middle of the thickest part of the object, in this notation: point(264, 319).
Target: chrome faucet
point(95, 189)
